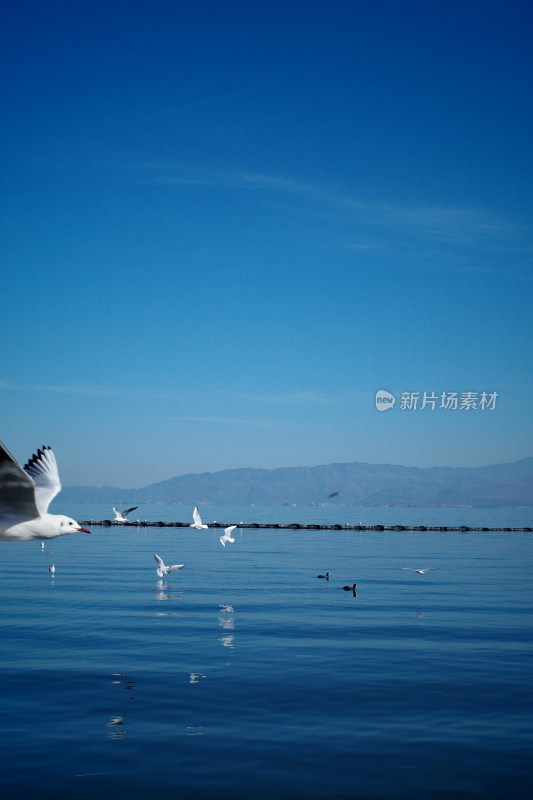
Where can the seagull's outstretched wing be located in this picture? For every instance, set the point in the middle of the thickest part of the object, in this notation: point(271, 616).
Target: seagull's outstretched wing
point(197, 520)
point(127, 510)
point(420, 571)
point(42, 468)
point(17, 489)
point(175, 567)
point(161, 569)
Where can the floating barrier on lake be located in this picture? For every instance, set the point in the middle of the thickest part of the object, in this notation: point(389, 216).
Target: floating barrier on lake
point(107, 523)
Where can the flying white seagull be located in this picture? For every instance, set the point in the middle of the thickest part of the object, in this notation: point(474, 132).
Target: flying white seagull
point(164, 570)
point(25, 495)
point(227, 535)
point(420, 571)
point(121, 516)
point(197, 520)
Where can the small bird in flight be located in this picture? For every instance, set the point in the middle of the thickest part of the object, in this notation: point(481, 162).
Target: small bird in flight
point(420, 571)
point(162, 569)
point(227, 535)
point(122, 516)
point(197, 520)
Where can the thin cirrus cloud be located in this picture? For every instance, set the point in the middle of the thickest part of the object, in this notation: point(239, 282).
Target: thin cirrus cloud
point(460, 225)
point(99, 390)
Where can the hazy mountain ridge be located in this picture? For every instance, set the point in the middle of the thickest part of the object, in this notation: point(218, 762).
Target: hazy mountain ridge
point(356, 484)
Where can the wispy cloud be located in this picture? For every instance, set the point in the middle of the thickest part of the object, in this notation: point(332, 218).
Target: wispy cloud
point(281, 398)
point(79, 389)
point(457, 225)
point(297, 398)
point(237, 421)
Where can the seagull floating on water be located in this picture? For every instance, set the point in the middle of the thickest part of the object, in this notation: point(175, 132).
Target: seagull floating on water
point(164, 570)
point(25, 495)
point(326, 576)
point(227, 535)
point(197, 523)
point(122, 516)
point(420, 571)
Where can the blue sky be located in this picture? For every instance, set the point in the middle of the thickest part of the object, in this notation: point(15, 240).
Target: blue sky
point(226, 225)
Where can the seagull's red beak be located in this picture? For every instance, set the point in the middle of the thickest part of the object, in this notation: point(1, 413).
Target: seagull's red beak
point(84, 530)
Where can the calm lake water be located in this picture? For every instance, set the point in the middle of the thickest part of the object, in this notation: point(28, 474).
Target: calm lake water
point(245, 676)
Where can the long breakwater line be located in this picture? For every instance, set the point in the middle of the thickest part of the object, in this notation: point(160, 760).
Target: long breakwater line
point(107, 523)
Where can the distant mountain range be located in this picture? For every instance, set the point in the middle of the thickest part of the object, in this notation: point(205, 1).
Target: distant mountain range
point(351, 484)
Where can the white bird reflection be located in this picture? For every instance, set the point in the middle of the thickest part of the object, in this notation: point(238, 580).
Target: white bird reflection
point(162, 593)
point(128, 683)
point(117, 724)
point(227, 623)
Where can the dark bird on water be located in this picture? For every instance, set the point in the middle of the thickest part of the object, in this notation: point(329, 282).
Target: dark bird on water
point(350, 588)
point(326, 576)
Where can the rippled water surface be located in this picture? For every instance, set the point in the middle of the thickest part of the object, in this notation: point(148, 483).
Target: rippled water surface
point(244, 675)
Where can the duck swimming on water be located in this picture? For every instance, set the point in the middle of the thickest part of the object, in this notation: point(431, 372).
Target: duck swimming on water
point(350, 589)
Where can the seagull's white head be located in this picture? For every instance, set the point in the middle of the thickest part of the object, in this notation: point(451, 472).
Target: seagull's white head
point(68, 525)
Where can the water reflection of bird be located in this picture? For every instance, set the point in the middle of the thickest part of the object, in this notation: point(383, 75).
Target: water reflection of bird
point(122, 516)
point(162, 569)
point(52, 569)
point(227, 535)
point(197, 520)
point(326, 576)
point(420, 571)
